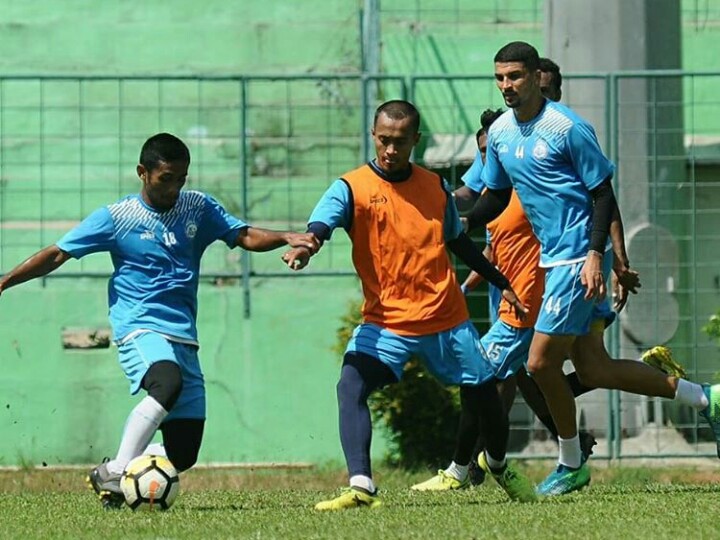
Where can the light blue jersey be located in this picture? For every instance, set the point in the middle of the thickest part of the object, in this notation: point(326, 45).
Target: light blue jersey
point(553, 162)
point(473, 176)
point(156, 257)
point(335, 209)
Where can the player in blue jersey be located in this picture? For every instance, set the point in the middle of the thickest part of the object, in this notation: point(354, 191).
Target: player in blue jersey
point(466, 195)
point(156, 239)
point(511, 244)
point(551, 157)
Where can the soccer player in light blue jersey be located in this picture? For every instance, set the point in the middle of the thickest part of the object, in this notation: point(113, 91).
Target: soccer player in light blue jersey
point(551, 157)
point(156, 239)
point(466, 196)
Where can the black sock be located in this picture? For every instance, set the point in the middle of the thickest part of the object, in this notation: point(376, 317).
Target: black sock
point(578, 388)
point(494, 421)
point(360, 376)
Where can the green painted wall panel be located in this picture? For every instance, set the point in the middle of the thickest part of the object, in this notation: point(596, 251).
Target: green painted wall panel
point(150, 37)
point(270, 379)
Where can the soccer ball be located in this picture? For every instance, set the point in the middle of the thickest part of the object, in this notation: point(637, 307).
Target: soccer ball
point(150, 483)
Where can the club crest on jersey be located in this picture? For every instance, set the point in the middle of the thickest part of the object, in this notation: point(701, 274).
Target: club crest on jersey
point(147, 235)
point(540, 150)
point(190, 229)
point(503, 149)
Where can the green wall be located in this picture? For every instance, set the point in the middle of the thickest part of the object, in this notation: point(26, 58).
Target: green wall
point(177, 36)
point(270, 378)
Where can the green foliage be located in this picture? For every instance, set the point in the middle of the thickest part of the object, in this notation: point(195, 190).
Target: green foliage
point(421, 414)
point(712, 329)
point(348, 322)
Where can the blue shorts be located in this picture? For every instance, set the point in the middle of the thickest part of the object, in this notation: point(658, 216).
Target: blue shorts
point(506, 348)
point(138, 353)
point(452, 356)
point(564, 309)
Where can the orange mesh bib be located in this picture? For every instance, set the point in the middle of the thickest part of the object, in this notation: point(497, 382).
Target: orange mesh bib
point(399, 253)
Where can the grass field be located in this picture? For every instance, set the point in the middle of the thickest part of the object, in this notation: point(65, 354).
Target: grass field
point(627, 502)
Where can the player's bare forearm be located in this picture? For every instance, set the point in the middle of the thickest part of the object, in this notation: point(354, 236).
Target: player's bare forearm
point(472, 281)
point(617, 237)
point(628, 279)
point(40, 264)
point(255, 239)
point(489, 253)
point(465, 198)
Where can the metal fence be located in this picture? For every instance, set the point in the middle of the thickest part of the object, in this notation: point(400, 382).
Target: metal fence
point(267, 147)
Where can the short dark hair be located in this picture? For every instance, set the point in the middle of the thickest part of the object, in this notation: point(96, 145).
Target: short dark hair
point(519, 51)
point(487, 118)
point(548, 66)
point(163, 147)
point(399, 109)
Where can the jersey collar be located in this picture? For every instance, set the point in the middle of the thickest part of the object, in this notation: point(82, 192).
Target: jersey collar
point(399, 176)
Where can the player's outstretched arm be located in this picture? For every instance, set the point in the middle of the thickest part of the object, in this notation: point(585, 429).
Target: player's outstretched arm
point(299, 257)
point(617, 237)
point(40, 264)
point(255, 239)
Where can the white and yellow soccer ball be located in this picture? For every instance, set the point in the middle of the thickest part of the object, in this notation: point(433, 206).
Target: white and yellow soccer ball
point(150, 483)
